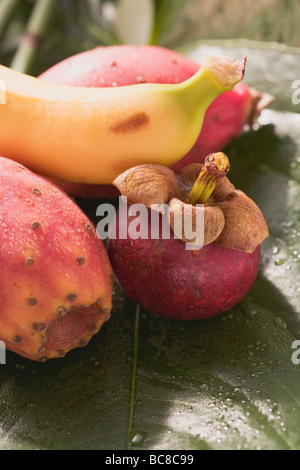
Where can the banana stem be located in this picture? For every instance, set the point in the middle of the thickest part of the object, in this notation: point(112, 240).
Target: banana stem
point(39, 21)
point(215, 76)
point(216, 166)
point(7, 11)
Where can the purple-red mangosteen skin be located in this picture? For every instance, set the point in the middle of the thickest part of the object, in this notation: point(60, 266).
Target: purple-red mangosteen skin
point(167, 279)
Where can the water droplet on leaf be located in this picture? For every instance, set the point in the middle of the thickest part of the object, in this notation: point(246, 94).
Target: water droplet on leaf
point(280, 261)
point(280, 323)
point(138, 439)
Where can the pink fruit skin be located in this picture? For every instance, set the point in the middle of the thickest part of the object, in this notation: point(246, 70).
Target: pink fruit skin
point(129, 64)
point(168, 280)
point(55, 275)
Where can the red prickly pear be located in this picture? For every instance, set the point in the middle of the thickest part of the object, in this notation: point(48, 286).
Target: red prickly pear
point(129, 64)
point(55, 275)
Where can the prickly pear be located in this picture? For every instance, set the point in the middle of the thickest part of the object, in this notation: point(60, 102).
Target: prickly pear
point(55, 275)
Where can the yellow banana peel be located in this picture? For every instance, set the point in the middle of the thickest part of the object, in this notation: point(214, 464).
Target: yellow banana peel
point(91, 135)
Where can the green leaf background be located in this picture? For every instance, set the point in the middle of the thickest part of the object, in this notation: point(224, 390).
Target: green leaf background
point(147, 382)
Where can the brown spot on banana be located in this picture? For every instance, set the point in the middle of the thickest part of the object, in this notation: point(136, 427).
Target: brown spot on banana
point(131, 124)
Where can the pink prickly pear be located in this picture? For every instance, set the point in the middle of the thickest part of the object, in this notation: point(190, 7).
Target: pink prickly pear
point(55, 275)
point(129, 64)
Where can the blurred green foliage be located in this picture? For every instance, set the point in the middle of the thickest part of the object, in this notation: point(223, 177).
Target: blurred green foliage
point(78, 25)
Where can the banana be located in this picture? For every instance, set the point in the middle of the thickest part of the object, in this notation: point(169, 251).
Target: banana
point(91, 135)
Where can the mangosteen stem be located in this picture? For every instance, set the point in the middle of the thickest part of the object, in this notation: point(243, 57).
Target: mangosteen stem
point(216, 165)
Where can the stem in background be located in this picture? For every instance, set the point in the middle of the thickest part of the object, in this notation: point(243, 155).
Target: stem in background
point(7, 11)
point(167, 12)
point(39, 21)
point(101, 36)
point(95, 24)
point(133, 378)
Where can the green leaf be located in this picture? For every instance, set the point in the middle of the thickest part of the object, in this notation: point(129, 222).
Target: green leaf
point(147, 382)
point(262, 21)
